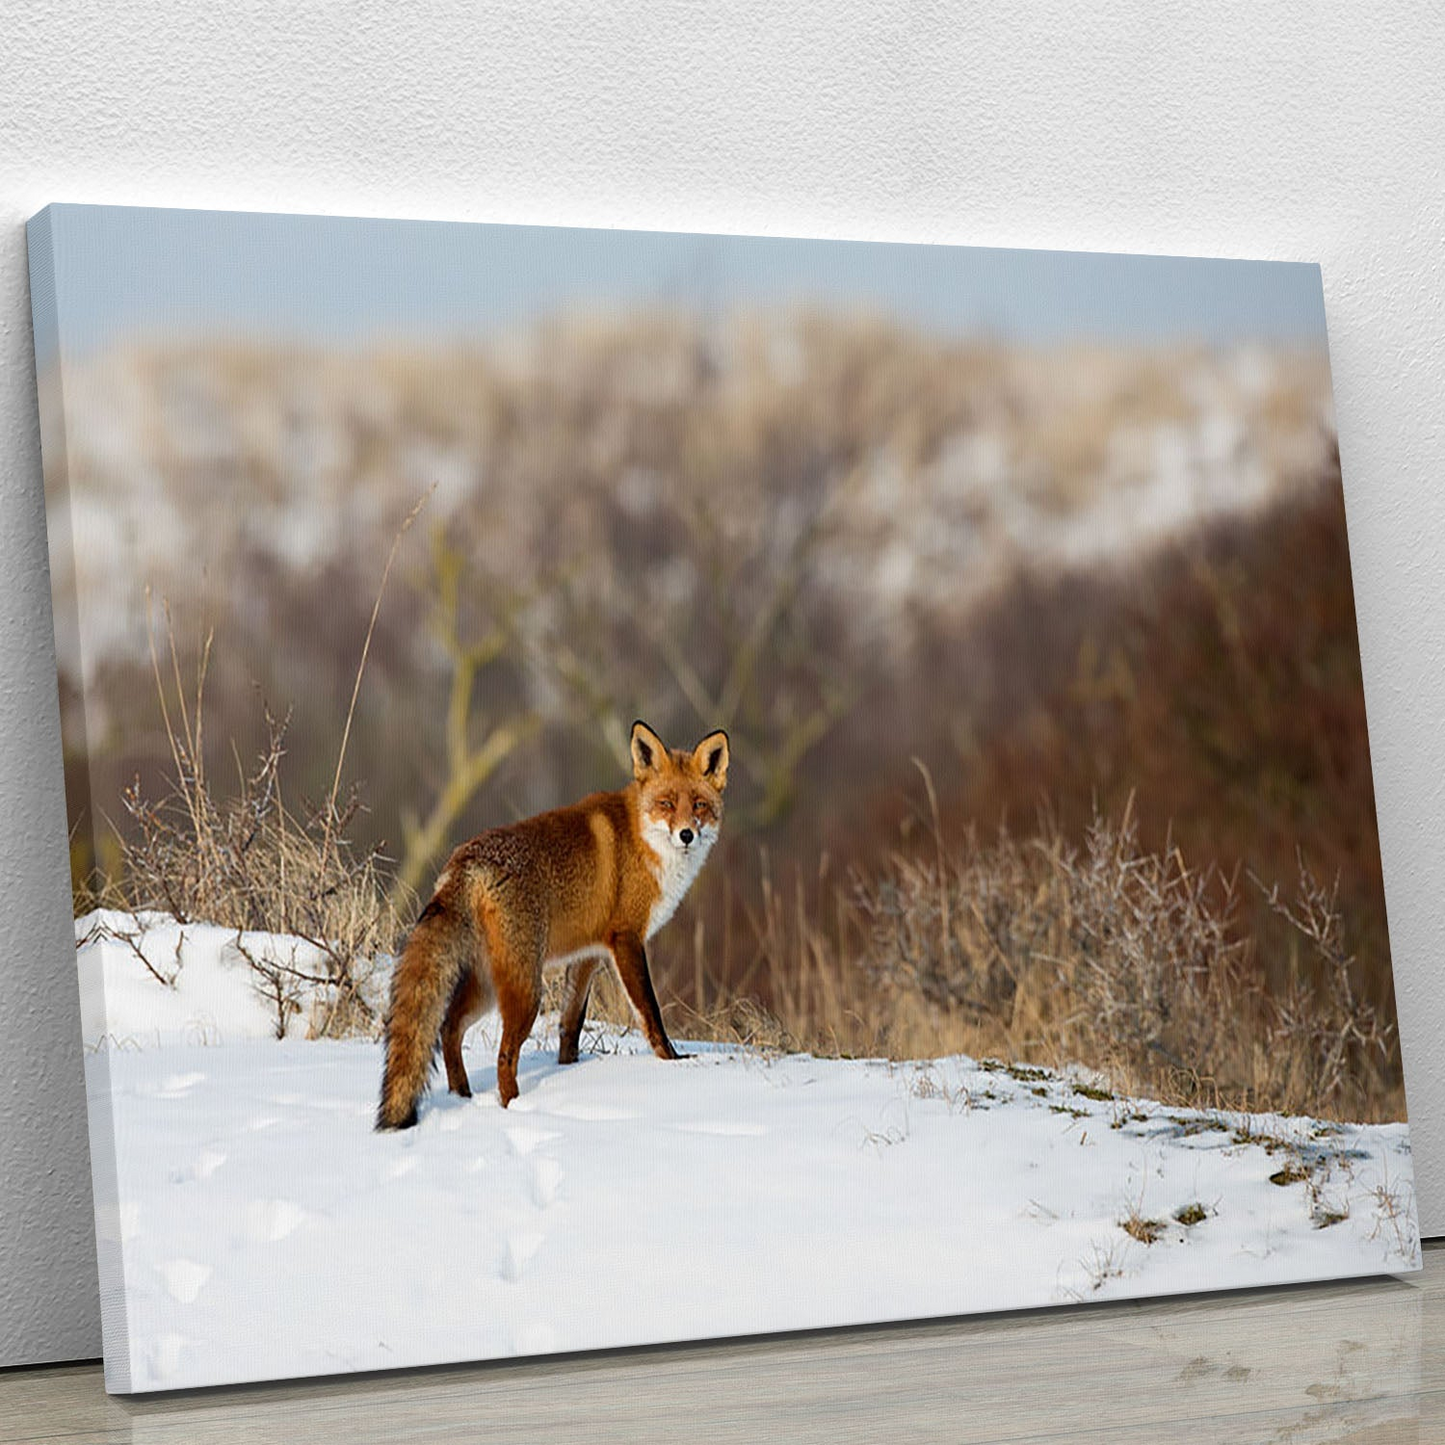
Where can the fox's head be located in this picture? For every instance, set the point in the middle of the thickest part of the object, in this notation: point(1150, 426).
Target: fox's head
point(680, 793)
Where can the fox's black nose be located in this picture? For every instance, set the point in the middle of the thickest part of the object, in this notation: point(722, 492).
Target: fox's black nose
point(685, 835)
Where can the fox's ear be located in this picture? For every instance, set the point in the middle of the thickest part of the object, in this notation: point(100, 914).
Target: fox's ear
point(710, 758)
point(648, 750)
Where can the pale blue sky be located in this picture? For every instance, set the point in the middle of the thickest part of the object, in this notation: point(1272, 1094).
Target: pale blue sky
point(122, 270)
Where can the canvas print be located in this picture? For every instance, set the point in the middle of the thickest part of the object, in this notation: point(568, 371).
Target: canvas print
point(635, 787)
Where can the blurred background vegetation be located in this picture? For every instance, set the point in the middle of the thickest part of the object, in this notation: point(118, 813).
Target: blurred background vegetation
point(973, 613)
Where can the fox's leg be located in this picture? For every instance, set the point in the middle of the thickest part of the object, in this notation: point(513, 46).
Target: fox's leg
point(631, 960)
point(516, 954)
point(519, 1013)
point(468, 1003)
point(574, 1008)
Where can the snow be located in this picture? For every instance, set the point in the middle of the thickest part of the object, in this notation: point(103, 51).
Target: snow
point(212, 995)
point(261, 1229)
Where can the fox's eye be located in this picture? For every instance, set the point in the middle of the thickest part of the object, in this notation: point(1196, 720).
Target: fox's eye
point(702, 813)
point(666, 804)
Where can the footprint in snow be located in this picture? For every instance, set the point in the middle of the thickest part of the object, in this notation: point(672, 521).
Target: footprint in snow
point(177, 1086)
point(184, 1278)
point(524, 1139)
point(519, 1251)
point(164, 1357)
point(206, 1163)
point(546, 1180)
point(270, 1220)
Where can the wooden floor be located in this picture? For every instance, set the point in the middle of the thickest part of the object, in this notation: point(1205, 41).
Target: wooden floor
point(1360, 1362)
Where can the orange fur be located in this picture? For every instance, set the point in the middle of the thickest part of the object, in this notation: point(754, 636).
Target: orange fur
point(576, 886)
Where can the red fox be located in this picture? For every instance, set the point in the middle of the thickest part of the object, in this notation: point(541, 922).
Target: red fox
point(573, 887)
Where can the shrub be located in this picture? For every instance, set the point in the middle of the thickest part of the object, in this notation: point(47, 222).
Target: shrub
point(1108, 955)
point(246, 860)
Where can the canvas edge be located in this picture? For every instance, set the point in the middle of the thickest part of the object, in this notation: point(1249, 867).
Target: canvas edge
point(104, 1171)
point(1126, 1300)
point(1371, 732)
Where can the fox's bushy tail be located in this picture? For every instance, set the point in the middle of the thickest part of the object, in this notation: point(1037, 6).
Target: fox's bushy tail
point(442, 946)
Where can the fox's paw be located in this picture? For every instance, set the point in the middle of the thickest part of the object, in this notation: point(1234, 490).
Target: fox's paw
point(567, 1053)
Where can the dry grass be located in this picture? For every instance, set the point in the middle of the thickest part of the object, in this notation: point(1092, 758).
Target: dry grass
point(1146, 1231)
point(244, 859)
point(1214, 687)
point(1108, 955)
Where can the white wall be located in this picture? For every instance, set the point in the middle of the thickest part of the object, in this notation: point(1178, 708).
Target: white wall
point(1313, 134)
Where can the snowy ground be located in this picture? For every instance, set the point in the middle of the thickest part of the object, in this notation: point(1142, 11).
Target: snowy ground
point(263, 1229)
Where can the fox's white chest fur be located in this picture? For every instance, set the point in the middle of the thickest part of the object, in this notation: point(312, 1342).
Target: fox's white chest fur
point(674, 870)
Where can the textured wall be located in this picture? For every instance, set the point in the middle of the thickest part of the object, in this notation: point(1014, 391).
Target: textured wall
point(1312, 134)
